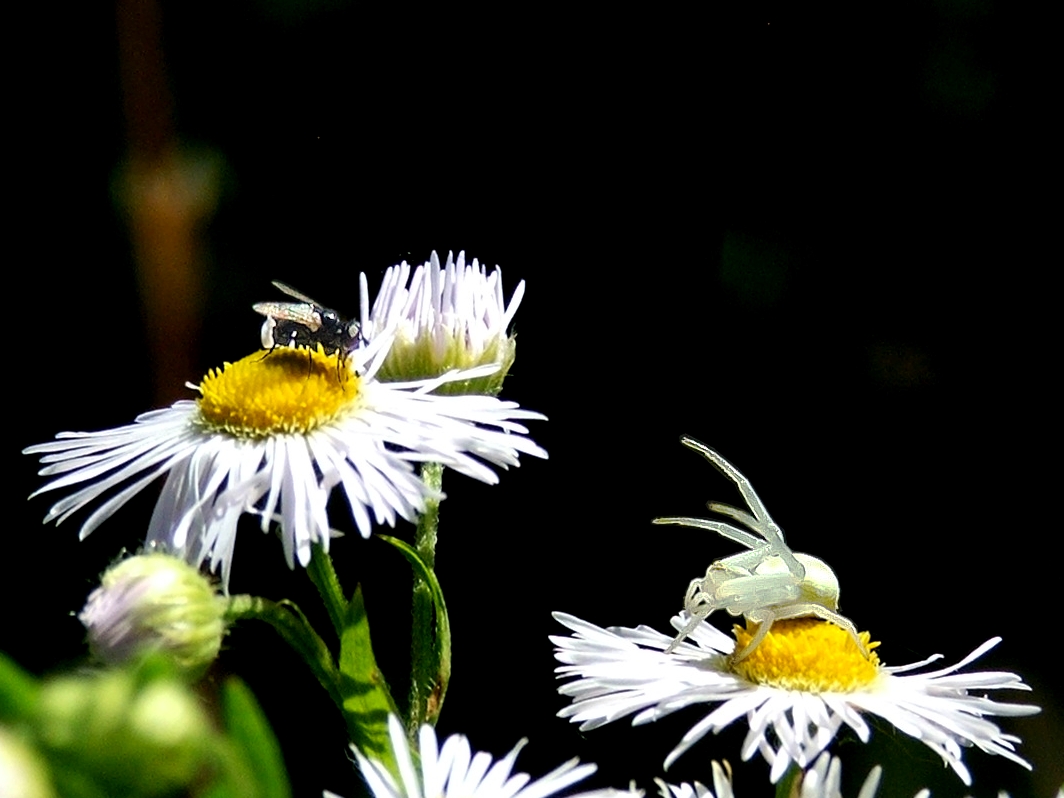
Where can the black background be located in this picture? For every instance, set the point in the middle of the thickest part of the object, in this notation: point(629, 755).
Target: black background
point(816, 242)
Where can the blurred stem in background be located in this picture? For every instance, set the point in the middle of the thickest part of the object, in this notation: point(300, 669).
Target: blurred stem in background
point(166, 193)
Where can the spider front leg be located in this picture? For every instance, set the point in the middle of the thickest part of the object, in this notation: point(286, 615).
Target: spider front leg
point(699, 605)
point(764, 618)
point(704, 596)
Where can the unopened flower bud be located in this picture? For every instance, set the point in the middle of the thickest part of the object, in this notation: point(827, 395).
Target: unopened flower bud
point(132, 734)
point(155, 603)
point(23, 773)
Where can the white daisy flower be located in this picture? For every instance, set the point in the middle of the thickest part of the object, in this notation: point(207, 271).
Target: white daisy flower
point(454, 771)
point(823, 780)
point(796, 689)
point(273, 434)
point(445, 317)
point(722, 785)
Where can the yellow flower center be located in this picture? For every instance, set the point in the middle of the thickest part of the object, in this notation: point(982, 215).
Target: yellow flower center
point(807, 654)
point(283, 391)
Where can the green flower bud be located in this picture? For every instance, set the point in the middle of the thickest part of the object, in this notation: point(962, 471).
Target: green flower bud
point(23, 774)
point(124, 734)
point(155, 603)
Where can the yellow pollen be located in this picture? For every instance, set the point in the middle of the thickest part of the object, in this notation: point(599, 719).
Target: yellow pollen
point(283, 391)
point(807, 654)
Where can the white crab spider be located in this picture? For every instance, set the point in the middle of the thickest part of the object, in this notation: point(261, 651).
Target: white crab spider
point(766, 584)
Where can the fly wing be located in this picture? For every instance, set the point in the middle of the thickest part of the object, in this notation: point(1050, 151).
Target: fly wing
point(299, 312)
point(294, 293)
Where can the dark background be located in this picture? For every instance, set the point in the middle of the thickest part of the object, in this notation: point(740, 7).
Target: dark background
point(817, 243)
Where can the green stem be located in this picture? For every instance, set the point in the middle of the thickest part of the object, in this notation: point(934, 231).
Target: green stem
point(323, 575)
point(294, 628)
point(424, 706)
point(357, 686)
point(429, 522)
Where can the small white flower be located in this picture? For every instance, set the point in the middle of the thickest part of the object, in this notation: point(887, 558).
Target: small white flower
point(445, 317)
point(823, 780)
point(454, 771)
point(722, 786)
point(805, 680)
point(273, 434)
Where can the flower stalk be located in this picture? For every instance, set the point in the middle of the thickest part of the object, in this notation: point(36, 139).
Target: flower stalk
point(426, 693)
point(292, 625)
point(323, 575)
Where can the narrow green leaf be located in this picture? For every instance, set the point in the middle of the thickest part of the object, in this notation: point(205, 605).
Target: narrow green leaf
point(429, 678)
point(292, 625)
point(251, 735)
point(19, 692)
point(366, 700)
point(323, 575)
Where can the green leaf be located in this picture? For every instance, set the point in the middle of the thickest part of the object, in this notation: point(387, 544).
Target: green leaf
point(294, 628)
point(322, 573)
point(254, 743)
point(366, 700)
point(19, 692)
point(430, 672)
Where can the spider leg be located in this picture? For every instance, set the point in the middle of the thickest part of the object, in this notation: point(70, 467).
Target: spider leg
point(779, 546)
point(764, 618)
point(692, 624)
point(735, 513)
point(732, 473)
point(699, 605)
point(740, 536)
point(764, 525)
point(743, 563)
point(772, 534)
point(693, 589)
point(841, 621)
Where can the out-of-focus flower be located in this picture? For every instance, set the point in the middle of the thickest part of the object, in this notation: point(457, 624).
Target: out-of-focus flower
point(23, 772)
point(136, 737)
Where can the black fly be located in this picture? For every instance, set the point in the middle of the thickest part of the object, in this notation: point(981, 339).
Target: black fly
point(306, 323)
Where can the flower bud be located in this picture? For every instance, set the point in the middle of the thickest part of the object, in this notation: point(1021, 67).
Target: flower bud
point(155, 603)
point(23, 774)
point(132, 734)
